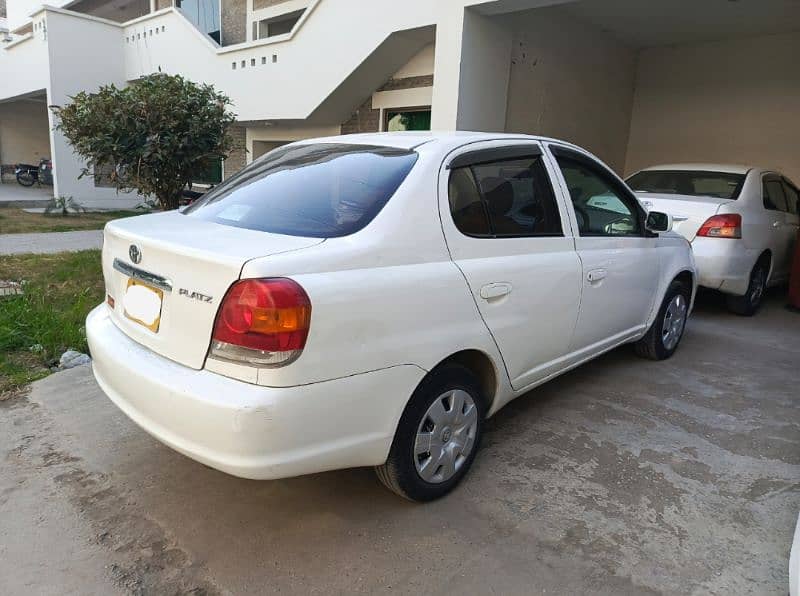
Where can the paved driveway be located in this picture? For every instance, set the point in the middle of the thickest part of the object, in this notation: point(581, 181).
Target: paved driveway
point(622, 477)
point(12, 194)
point(50, 242)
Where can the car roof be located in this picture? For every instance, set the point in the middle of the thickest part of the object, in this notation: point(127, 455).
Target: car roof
point(413, 139)
point(703, 167)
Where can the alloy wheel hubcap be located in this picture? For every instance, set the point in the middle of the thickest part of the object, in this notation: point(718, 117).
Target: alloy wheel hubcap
point(446, 436)
point(674, 321)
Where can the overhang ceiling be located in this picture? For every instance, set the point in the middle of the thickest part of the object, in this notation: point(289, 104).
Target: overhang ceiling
point(644, 23)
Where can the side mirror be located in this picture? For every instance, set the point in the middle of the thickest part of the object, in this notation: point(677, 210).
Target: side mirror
point(658, 222)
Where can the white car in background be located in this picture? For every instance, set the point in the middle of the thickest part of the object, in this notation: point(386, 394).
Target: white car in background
point(742, 223)
point(369, 300)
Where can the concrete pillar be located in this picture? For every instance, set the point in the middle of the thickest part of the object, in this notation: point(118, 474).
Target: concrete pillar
point(471, 71)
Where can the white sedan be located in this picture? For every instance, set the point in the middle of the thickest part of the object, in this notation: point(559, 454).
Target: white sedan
point(742, 223)
point(369, 300)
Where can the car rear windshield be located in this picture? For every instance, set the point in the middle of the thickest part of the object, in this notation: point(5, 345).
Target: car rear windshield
point(696, 183)
point(322, 190)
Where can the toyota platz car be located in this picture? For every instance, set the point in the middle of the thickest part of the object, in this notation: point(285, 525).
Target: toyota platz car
point(370, 300)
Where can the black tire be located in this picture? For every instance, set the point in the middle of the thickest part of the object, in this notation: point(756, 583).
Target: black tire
point(749, 304)
point(25, 179)
point(652, 345)
point(399, 474)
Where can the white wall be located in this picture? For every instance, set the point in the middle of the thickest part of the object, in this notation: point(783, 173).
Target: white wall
point(24, 132)
point(730, 102)
point(18, 12)
point(81, 67)
point(570, 81)
point(420, 65)
point(24, 64)
point(485, 63)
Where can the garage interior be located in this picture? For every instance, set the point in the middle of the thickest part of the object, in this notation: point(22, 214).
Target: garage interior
point(24, 130)
point(643, 83)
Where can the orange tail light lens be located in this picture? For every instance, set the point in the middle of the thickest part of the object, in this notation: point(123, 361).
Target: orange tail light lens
point(263, 322)
point(728, 225)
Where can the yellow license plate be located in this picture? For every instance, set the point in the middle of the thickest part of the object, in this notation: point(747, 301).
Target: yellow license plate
point(142, 304)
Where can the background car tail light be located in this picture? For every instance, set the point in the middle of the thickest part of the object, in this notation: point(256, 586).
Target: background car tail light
point(262, 322)
point(722, 226)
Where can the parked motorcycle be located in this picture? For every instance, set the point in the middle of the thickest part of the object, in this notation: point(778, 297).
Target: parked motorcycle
point(29, 174)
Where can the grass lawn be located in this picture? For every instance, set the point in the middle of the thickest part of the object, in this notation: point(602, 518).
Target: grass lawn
point(17, 221)
point(48, 318)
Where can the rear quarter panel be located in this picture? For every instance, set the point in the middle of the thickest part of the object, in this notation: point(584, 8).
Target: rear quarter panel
point(386, 296)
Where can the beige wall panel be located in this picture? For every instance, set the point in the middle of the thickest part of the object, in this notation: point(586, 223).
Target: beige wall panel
point(570, 81)
point(723, 102)
point(24, 132)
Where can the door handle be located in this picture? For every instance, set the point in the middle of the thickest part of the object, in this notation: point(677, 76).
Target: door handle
point(495, 290)
point(596, 275)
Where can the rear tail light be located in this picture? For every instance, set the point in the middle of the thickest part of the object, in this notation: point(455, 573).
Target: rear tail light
point(262, 322)
point(728, 225)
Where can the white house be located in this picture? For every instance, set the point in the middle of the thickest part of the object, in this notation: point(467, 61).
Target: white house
point(636, 82)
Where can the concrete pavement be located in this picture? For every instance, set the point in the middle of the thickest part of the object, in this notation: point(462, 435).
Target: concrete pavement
point(14, 195)
point(622, 477)
point(50, 242)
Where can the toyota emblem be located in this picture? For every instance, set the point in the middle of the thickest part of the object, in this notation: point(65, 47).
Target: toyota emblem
point(135, 254)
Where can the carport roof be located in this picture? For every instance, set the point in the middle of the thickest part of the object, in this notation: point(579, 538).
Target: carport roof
point(668, 22)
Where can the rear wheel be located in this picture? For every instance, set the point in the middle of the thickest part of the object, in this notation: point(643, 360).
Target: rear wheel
point(25, 179)
point(438, 436)
point(748, 304)
point(664, 335)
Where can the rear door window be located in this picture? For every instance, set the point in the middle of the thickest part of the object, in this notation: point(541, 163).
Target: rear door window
point(774, 197)
point(321, 190)
point(792, 197)
point(504, 199)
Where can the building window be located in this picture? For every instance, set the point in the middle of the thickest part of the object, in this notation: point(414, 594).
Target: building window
point(203, 14)
point(407, 119)
point(280, 25)
point(209, 173)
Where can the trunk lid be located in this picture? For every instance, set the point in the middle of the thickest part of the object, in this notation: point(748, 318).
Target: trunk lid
point(191, 263)
point(688, 212)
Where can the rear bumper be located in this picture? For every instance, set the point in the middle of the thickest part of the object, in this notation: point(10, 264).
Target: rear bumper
point(248, 430)
point(723, 264)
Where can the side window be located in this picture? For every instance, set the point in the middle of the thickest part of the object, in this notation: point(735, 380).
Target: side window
point(504, 199)
point(792, 198)
point(469, 213)
point(774, 198)
point(601, 208)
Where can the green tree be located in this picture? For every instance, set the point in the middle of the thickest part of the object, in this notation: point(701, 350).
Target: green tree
point(152, 136)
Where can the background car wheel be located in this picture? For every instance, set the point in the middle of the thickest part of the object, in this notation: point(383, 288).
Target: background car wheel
point(438, 435)
point(665, 333)
point(25, 179)
point(748, 304)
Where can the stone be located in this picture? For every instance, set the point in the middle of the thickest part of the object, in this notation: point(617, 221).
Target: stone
point(10, 288)
point(73, 358)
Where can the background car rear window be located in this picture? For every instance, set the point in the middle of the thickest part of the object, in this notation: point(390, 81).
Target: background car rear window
point(688, 182)
point(322, 190)
point(503, 199)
